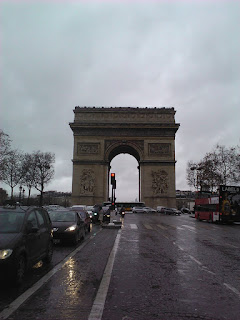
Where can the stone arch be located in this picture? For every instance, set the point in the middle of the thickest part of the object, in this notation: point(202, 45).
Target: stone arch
point(148, 134)
point(117, 147)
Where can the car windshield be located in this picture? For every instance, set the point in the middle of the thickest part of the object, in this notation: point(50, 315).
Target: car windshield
point(64, 216)
point(11, 222)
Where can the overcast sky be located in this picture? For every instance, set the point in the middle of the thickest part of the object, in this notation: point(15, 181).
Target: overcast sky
point(57, 55)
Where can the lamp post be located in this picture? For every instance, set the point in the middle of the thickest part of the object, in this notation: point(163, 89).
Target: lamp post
point(23, 195)
point(197, 169)
point(20, 193)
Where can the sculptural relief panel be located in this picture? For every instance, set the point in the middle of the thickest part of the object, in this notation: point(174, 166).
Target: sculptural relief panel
point(159, 149)
point(87, 182)
point(160, 182)
point(88, 148)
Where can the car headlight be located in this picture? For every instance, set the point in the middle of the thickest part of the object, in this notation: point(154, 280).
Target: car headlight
point(72, 228)
point(4, 254)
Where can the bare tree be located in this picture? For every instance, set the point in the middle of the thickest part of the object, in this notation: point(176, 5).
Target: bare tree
point(12, 169)
point(44, 171)
point(221, 166)
point(227, 162)
point(5, 148)
point(29, 167)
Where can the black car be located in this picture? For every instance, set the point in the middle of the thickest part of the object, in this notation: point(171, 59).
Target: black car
point(67, 226)
point(172, 211)
point(25, 239)
point(84, 215)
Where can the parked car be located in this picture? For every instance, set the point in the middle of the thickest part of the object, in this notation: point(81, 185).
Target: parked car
point(186, 210)
point(172, 211)
point(143, 210)
point(67, 226)
point(176, 211)
point(25, 239)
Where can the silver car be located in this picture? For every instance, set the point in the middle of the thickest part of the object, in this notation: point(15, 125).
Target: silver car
point(143, 210)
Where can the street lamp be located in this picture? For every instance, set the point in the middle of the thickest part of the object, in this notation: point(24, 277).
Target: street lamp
point(23, 194)
point(198, 169)
point(20, 193)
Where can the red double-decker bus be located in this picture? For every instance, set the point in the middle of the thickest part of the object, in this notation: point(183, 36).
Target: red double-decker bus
point(222, 208)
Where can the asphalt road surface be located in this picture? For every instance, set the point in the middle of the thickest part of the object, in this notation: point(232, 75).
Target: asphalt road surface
point(155, 267)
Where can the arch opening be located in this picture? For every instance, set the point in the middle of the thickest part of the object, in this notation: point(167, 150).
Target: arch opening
point(126, 168)
point(122, 149)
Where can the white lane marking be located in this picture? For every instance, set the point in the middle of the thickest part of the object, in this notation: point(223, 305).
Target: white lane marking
point(198, 262)
point(234, 290)
point(161, 227)
point(133, 226)
point(192, 229)
point(231, 245)
point(179, 228)
point(21, 299)
point(207, 270)
point(147, 226)
point(99, 302)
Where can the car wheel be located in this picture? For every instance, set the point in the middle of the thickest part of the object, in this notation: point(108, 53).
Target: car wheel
point(49, 255)
point(20, 270)
point(76, 238)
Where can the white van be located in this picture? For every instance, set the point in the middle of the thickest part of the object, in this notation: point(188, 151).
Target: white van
point(161, 209)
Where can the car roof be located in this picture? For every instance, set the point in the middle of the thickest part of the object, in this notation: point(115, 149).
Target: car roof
point(12, 208)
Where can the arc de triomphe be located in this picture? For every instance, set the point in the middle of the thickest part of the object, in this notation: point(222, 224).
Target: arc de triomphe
point(100, 134)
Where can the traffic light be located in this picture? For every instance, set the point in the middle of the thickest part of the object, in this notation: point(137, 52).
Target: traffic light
point(113, 180)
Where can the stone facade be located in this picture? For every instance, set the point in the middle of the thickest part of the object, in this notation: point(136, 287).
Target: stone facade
point(100, 134)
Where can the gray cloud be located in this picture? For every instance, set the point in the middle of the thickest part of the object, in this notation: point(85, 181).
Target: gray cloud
point(57, 55)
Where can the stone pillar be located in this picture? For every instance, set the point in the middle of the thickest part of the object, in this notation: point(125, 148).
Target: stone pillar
point(90, 183)
point(158, 184)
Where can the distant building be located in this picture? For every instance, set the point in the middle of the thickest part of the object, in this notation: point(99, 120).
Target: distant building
point(55, 197)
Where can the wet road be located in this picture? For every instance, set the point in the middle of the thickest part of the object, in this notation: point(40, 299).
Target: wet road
point(164, 267)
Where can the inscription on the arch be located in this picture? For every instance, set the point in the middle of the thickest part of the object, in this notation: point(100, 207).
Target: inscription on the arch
point(159, 149)
point(88, 148)
point(159, 182)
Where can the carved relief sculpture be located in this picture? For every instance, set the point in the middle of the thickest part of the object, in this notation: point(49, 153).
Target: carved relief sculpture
point(87, 182)
point(159, 182)
point(159, 149)
point(88, 148)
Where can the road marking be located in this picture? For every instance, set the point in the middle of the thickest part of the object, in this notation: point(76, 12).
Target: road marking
point(232, 289)
point(12, 307)
point(99, 302)
point(198, 262)
point(161, 227)
point(207, 270)
point(192, 229)
point(133, 226)
point(179, 228)
point(231, 245)
point(165, 236)
point(147, 226)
